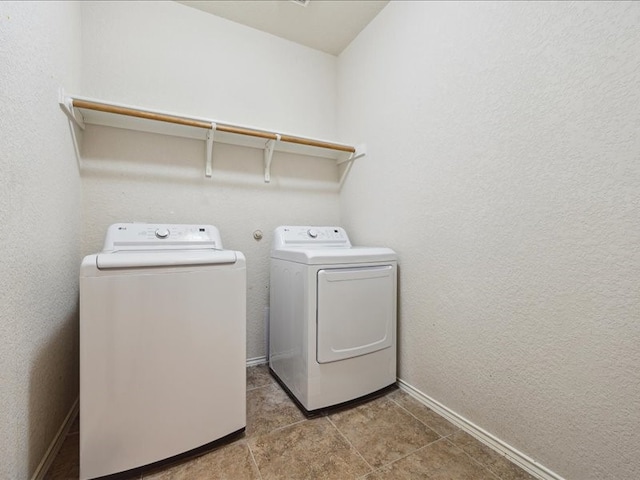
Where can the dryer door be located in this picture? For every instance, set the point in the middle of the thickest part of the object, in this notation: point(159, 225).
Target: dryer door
point(356, 311)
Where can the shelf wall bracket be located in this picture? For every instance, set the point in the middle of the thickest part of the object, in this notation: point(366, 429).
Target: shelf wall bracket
point(208, 168)
point(361, 151)
point(66, 105)
point(268, 156)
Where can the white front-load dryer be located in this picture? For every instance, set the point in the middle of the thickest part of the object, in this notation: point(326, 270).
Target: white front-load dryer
point(162, 346)
point(332, 320)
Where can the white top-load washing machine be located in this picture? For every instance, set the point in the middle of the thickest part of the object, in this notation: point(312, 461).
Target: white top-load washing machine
point(332, 321)
point(162, 345)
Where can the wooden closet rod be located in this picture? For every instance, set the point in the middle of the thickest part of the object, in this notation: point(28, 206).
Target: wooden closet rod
point(101, 107)
point(161, 117)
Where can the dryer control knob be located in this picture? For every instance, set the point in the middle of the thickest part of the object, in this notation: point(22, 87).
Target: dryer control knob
point(312, 232)
point(162, 232)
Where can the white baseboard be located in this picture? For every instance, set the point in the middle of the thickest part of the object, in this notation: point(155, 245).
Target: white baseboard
point(56, 443)
point(252, 362)
point(523, 461)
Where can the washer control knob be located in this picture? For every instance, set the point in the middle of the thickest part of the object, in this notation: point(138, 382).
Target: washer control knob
point(312, 232)
point(162, 232)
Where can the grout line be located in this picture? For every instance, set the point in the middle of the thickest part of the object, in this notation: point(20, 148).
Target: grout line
point(270, 384)
point(282, 427)
point(444, 439)
point(254, 460)
point(410, 453)
point(259, 386)
point(288, 401)
point(475, 460)
point(352, 446)
point(290, 425)
point(485, 466)
point(422, 422)
point(440, 437)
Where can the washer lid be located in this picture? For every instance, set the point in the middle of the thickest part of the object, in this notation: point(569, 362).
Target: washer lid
point(319, 256)
point(166, 258)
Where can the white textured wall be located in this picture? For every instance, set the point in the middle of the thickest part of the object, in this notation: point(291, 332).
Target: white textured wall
point(172, 57)
point(40, 218)
point(176, 58)
point(504, 166)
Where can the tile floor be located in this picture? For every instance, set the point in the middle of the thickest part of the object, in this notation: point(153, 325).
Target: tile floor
point(392, 437)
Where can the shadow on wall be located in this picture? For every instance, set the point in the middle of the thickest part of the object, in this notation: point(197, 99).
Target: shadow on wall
point(398, 321)
point(53, 377)
point(75, 134)
point(140, 157)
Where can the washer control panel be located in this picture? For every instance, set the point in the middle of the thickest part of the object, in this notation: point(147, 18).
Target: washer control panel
point(310, 236)
point(148, 236)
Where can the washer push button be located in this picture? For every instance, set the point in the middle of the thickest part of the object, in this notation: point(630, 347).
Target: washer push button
point(162, 232)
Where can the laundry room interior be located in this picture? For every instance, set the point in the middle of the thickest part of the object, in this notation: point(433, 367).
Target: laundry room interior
point(496, 151)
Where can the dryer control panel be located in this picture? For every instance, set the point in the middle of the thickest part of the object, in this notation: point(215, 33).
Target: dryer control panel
point(310, 237)
point(151, 236)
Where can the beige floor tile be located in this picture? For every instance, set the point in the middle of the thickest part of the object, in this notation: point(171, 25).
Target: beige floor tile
point(434, 421)
point(258, 376)
point(269, 408)
point(382, 431)
point(495, 462)
point(288, 446)
point(231, 462)
point(312, 449)
point(439, 460)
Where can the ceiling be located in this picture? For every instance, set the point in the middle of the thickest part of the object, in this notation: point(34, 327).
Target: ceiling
point(326, 25)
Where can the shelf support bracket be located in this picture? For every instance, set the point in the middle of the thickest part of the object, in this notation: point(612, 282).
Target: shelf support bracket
point(208, 167)
point(361, 151)
point(268, 156)
point(66, 105)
